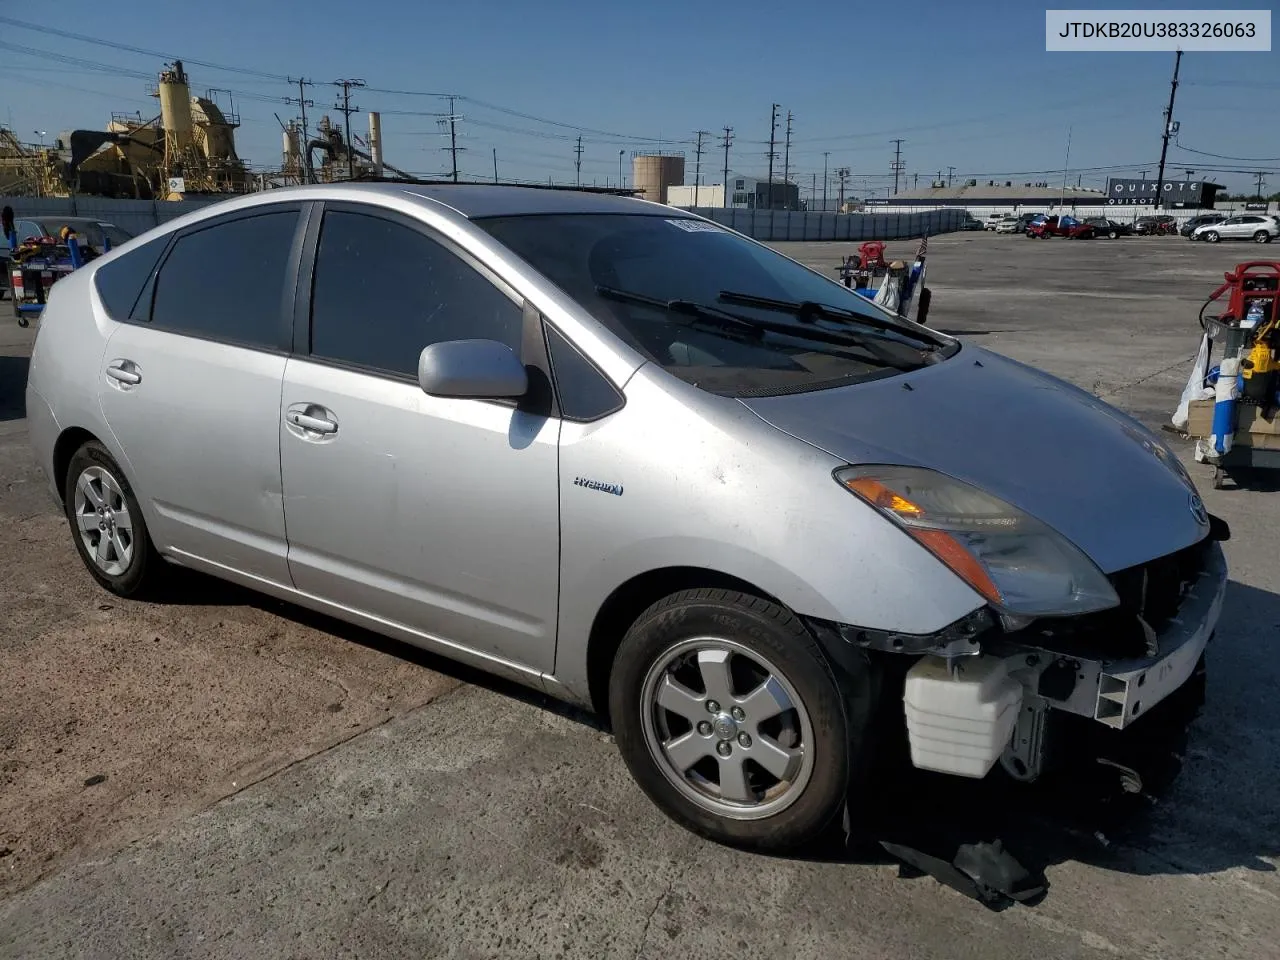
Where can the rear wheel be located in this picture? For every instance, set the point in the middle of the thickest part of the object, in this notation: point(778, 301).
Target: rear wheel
point(1262, 237)
point(106, 523)
point(730, 718)
point(1112, 235)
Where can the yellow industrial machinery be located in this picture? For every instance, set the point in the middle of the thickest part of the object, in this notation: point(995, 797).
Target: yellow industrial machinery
point(188, 149)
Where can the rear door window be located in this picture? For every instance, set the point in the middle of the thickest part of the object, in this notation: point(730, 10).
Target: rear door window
point(121, 280)
point(227, 281)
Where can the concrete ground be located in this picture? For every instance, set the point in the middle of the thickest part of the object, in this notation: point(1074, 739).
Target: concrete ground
point(222, 775)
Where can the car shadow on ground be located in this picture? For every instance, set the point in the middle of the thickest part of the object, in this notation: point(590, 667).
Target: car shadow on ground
point(13, 387)
point(1084, 813)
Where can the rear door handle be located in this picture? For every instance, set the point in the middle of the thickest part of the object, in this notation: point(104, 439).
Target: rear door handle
point(124, 372)
point(304, 415)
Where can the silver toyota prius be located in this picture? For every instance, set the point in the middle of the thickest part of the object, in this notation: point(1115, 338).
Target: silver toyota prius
point(638, 461)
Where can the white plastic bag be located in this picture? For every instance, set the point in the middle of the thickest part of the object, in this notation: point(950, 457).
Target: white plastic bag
point(1195, 388)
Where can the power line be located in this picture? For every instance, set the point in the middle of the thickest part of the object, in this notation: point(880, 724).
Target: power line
point(1220, 156)
point(208, 64)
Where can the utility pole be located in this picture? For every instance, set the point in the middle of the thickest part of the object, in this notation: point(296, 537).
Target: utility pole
point(453, 148)
point(1170, 128)
point(786, 164)
point(495, 164)
point(897, 166)
point(1066, 166)
point(724, 142)
point(773, 137)
point(915, 180)
point(577, 159)
point(813, 188)
point(697, 165)
point(347, 109)
point(1260, 182)
point(825, 155)
point(951, 172)
point(306, 173)
point(843, 174)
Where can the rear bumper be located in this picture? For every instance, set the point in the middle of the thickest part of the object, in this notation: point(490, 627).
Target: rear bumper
point(42, 433)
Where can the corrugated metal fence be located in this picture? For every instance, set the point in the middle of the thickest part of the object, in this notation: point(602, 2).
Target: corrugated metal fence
point(816, 225)
point(136, 216)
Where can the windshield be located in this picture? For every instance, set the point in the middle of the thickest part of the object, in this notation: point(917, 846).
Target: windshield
point(677, 290)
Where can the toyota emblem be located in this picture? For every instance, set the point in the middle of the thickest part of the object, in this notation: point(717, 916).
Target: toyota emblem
point(1197, 509)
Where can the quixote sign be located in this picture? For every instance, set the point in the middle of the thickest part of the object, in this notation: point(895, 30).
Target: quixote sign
point(1186, 192)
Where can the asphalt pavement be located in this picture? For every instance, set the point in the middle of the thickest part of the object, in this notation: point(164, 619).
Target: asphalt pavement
point(225, 776)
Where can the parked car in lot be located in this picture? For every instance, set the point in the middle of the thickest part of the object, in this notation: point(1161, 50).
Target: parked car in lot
point(1111, 229)
point(1045, 227)
point(992, 219)
point(89, 230)
point(1026, 219)
point(1188, 229)
point(1010, 225)
point(634, 460)
point(972, 223)
point(1155, 225)
point(1257, 227)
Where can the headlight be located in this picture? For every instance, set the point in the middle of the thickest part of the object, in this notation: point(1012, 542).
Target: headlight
point(1020, 565)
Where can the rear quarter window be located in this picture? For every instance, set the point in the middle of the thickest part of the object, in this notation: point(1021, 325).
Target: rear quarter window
point(121, 280)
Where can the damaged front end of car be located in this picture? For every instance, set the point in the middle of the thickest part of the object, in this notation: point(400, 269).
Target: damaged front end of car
point(992, 690)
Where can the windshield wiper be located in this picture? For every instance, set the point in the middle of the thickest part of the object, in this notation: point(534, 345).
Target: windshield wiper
point(756, 329)
point(720, 318)
point(806, 311)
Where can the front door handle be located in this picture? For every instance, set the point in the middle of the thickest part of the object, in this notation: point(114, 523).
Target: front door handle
point(311, 418)
point(124, 372)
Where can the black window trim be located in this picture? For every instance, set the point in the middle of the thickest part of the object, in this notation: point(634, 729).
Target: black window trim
point(550, 328)
point(533, 347)
point(283, 334)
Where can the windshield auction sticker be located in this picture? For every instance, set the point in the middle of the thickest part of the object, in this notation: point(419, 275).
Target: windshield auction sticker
point(695, 226)
point(1129, 30)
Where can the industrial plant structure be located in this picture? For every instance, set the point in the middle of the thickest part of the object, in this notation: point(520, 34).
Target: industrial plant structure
point(653, 173)
point(187, 150)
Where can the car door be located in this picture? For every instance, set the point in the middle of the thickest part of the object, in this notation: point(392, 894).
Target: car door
point(1232, 227)
point(191, 390)
point(437, 515)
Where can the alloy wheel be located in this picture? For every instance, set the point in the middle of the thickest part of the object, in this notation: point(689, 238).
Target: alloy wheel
point(103, 521)
point(727, 728)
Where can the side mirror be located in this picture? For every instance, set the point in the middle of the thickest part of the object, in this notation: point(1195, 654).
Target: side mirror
point(483, 369)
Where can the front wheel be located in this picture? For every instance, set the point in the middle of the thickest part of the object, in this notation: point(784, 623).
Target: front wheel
point(730, 718)
point(1212, 236)
point(1113, 234)
point(1262, 237)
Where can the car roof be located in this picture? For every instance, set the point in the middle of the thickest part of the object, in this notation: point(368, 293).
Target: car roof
point(479, 200)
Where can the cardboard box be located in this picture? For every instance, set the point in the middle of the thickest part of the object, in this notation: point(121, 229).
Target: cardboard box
point(1252, 428)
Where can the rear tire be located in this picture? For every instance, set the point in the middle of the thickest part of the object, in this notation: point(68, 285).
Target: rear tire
point(107, 525)
point(1262, 237)
point(731, 719)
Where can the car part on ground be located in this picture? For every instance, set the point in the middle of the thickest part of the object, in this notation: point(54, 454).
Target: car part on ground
point(621, 386)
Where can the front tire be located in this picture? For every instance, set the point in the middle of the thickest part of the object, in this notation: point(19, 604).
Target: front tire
point(730, 718)
point(1212, 236)
point(106, 523)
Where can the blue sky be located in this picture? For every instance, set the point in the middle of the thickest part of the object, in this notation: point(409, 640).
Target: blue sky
point(968, 86)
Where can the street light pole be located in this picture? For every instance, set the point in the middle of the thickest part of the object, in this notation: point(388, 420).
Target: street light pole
point(621, 182)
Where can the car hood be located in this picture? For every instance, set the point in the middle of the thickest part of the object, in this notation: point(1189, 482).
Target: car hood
point(1092, 473)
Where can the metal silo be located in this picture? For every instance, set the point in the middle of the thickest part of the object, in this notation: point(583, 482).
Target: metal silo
point(653, 173)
